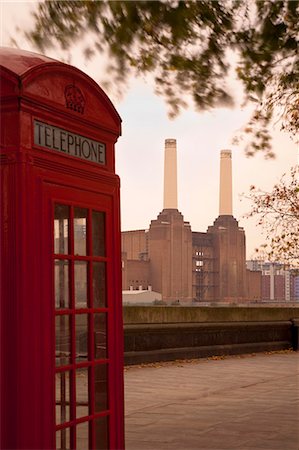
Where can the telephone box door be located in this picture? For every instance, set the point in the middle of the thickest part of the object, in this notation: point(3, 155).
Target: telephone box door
point(82, 291)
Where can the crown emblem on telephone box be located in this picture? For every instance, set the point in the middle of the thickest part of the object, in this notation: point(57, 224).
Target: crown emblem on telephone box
point(74, 98)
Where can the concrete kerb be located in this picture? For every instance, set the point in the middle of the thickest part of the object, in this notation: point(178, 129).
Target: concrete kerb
point(189, 314)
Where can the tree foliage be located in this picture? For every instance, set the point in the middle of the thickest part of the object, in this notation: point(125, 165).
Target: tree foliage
point(189, 47)
point(278, 214)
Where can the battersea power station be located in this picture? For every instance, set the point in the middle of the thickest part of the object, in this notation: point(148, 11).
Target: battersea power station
point(189, 266)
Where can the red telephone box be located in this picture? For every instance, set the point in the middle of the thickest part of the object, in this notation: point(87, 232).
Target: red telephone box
point(61, 318)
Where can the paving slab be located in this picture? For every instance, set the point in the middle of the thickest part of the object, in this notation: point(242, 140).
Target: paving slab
point(246, 402)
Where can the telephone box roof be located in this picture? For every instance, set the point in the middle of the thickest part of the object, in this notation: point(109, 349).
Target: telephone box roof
point(20, 61)
point(23, 65)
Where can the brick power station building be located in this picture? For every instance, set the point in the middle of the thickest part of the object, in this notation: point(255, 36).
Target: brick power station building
point(187, 265)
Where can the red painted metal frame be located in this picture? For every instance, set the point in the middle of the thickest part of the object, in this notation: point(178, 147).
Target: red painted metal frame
point(102, 204)
point(32, 180)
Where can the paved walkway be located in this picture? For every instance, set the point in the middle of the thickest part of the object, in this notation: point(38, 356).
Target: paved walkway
point(248, 402)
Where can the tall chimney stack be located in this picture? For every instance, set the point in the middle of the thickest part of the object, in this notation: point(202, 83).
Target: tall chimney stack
point(225, 197)
point(170, 175)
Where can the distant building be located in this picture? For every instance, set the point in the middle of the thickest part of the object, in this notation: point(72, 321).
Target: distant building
point(278, 283)
point(190, 266)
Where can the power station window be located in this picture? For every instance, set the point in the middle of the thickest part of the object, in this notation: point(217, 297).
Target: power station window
point(80, 223)
point(61, 229)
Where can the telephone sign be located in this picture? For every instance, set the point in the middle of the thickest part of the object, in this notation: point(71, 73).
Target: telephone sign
point(55, 138)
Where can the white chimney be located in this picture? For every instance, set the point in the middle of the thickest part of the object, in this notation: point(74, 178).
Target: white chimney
point(170, 175)
point(225, 197)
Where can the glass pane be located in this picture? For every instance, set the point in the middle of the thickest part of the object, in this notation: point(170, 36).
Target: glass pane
point(80, 231)
point(61, 229)
point(81, 337)
point(80, 284)
point(62, 389)
point(100, 336)
point(83, 443)
point(82, 409)
point(63, 441)
point(101, 394)
point(99, 284)
point(98, 233)
point(63, 340)
point(61, 284)
point(101, 433)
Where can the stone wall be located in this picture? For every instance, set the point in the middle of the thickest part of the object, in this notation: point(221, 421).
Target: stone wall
point(169, 333)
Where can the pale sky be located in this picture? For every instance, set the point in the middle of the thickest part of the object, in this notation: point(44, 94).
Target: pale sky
point(200, 137)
